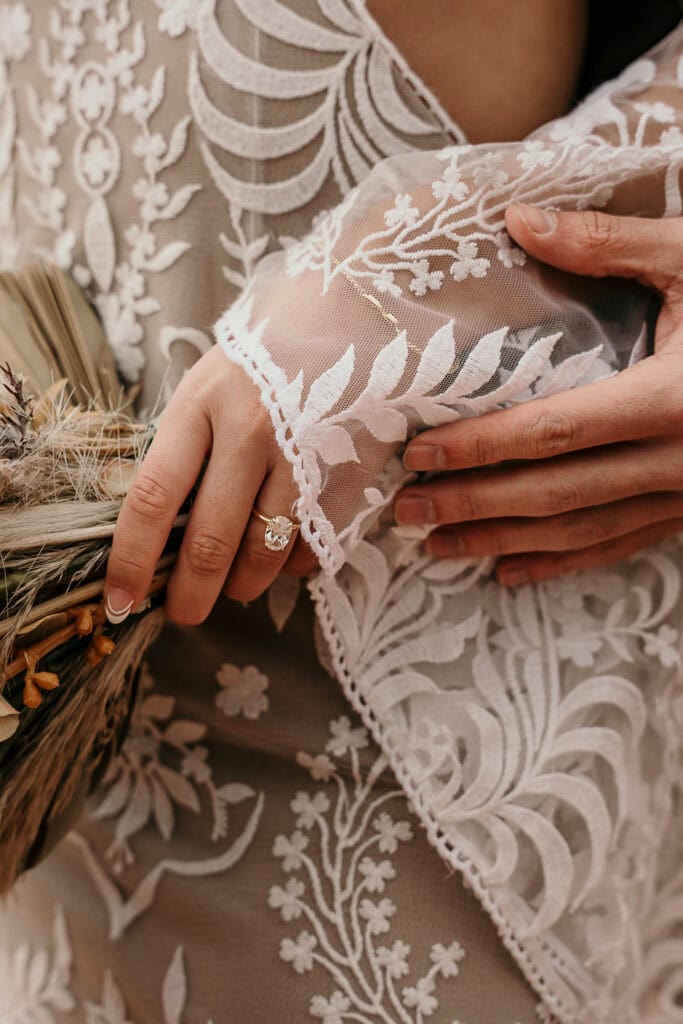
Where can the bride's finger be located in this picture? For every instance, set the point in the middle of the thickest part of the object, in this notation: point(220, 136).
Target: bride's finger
point(219, 517)
point(571, 531)
point(534, 568)
point(256, 564)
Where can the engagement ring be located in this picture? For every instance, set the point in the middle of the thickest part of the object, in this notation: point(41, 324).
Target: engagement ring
point(279, 530)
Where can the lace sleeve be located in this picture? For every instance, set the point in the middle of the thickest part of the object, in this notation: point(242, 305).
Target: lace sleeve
point(408, 305)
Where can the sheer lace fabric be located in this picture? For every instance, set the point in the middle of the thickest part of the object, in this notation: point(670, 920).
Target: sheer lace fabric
point(160, 153)
point(530, 729)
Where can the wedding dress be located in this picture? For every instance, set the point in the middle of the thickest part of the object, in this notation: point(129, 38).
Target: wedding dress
point(250, 855)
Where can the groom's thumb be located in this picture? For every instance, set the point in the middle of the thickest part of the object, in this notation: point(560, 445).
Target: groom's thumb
point(600, 245)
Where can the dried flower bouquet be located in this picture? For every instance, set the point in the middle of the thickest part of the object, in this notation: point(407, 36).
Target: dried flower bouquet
point(69, 448)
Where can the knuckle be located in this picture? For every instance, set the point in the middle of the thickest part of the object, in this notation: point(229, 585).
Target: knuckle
point(148, 498)
point(207, 554)
point(558, 496)
point(125, 565)
point(601, 232)
point(260, 559)
point(550, 434)
point(482, 450)
point(254, 572)
point(465, 507)
point(586, 533)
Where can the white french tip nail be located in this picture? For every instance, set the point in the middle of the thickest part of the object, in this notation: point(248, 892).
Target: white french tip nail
point(9, 720)
point(117, 615)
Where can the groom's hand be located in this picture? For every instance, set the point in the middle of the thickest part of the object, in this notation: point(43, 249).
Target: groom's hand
point(602, 475)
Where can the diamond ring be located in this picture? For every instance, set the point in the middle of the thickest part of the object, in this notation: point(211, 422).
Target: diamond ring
point(279, 530)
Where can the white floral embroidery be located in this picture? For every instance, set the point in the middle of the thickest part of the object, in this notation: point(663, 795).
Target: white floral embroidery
point(346, 141)
point(145, 790)
point(35, 984)
point(572, 690)
point(92, 95)
point(341, 896)
point(243, 691)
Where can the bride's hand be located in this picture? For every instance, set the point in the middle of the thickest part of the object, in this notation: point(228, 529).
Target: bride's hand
point(215, 414)
point(604, 476)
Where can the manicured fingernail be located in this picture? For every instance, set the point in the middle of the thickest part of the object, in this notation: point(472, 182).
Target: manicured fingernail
point(424, 456)
point(540, 222)
point(513, 577)
point(413, 510)
point(118, 605)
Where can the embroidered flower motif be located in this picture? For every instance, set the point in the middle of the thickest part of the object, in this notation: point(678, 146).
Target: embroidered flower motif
point(52, 116)
point(447, 958)
point(671, 139)
point(339, 834)
point(331, 1010)
point(149, 147)
point(345, 738)
point(93, 95)
point(469, 263)
point(658, 111)
point(141, 241)
point(391, 832)
point(578, 644)
point(300, 952)
point(384, 282)
point(309, 809)
point(97, 160)
point(290, 849)
point(194, 765)
point(288, 899)
point(402, 214)
point(377, 915)
point(321, 768)
point(423, 278)
point(153, 195)
point(124, 334)
point(177, 16)
point(510, 255)
point(376, 873)
point(15, 31)
point(394, 959)
point(450, 185)
point(488, 171)
point(661, 645)
point(143, 788)
point(421, 996)
point(45, 160)
point(535, 154)
point(243, 691)
point(107, 32)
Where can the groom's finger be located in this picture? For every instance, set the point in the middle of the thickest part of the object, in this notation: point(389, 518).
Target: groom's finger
point(600, 245)
point(643, 401)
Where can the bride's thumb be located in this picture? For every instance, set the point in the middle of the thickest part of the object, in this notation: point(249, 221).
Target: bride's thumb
point(600, 245)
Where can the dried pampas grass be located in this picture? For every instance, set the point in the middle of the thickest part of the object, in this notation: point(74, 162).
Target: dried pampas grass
point(69, 449)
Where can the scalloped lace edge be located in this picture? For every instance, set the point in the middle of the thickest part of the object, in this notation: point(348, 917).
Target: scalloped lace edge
point(330, 555)
point(537, 972)
point(315, 528)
